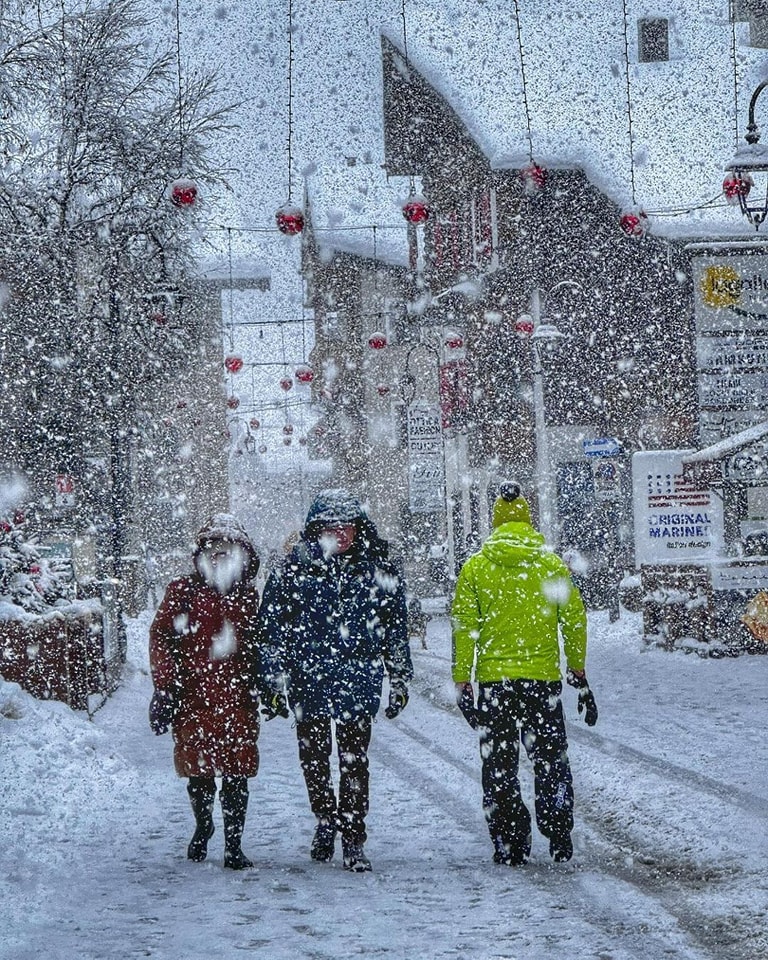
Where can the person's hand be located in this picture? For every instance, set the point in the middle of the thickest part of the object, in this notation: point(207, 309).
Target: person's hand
point(162, 708)
point(398, 698)
point(465, 700)
point(274, 705)
point(576, 678)
point(586, 703)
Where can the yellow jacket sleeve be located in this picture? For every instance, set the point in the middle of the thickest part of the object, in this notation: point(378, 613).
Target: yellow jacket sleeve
point(465, 617)
point(573, 627)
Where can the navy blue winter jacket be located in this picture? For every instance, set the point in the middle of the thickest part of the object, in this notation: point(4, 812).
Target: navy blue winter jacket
point(332, 625)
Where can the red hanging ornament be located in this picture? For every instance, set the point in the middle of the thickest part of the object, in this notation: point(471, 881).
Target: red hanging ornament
point(377, 340)
point(286, 383)
point(534, 178)
point(383, 389)
point(159, 318)
point(287, 441)
point(290, 220)
point(303, 441)
point(416, 209)
point(737, 185)
point(634, 223)
point(454, 340)
point(524, 325)
point(304, 374)
point(288, 429)
point(255, 423)
point(233, 363)
point(233, 402)
point(183, 192)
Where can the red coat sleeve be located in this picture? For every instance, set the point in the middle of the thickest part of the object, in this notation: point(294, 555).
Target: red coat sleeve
point(164, 636)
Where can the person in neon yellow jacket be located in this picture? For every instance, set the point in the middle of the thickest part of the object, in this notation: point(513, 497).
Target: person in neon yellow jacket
point(514, 603)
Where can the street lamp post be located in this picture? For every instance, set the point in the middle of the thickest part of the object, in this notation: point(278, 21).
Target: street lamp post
point(749, 161)
point(545, 336)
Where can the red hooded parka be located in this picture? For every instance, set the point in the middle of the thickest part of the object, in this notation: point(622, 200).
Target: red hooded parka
point(203, 646)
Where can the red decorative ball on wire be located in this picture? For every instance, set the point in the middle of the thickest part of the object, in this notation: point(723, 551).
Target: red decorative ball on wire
point(254, 423)
point(383, 389)
point(534, 178)
point(304, 374)
point(286, 383)
point(234, 364)
point(634, 223)
point(416, 209)
point(737, 185)
point(524, 325)
point(183, 192)
point(290, 220)
point(454, 340)
point(233, 402)
point(377, 340)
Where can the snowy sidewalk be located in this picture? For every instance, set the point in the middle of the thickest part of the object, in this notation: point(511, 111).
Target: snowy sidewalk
point(670, 838)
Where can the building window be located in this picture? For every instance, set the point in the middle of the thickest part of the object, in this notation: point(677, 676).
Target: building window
point(652, 40)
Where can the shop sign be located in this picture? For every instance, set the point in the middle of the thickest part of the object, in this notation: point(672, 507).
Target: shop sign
point(678, 519)
point(426, 469)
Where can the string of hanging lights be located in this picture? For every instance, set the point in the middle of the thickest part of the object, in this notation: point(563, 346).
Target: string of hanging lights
point(633, 222)
point(183, 190)
point(736, 185)
point(533, 175)
point(290, 216)
point(415, 208)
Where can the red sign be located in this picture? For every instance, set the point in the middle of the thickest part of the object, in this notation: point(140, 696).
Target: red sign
point(65, 490)
point(454, 392)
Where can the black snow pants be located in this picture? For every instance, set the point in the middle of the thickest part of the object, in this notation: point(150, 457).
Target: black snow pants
point(531, 711)
point(353, 738)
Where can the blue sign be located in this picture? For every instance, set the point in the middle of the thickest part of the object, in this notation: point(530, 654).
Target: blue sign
point(602, 447)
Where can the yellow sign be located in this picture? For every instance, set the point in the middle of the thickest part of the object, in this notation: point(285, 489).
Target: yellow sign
point(721, 286)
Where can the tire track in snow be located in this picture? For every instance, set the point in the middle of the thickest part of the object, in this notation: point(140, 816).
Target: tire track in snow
point(654, 882)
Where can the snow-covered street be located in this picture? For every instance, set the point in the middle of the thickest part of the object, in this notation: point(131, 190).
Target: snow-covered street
point(670, 839)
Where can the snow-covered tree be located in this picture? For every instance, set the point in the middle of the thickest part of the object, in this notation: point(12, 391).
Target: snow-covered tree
point(27, 579)
point(99, 122)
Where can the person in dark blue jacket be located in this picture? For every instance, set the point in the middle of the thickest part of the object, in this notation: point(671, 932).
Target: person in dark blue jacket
point(334, 617)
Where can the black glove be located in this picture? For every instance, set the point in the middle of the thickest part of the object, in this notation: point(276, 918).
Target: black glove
point(274, 705)
point(465, 700)
point(398, 698)
point(162, 708)
point(586, 703)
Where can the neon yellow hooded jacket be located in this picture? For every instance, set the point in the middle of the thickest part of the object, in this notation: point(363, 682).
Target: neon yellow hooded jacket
point(510, 599)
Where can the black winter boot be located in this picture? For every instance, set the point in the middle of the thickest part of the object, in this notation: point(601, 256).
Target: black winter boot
point(324, 840)
point(561, 847)
point(234, 804)
point(202, 793)
point(354, 857)
point(514, 853)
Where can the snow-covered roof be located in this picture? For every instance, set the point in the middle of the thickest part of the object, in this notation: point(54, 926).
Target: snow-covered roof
point(683, 110)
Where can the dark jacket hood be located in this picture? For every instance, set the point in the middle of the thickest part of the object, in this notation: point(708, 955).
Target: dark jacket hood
point(339, 506)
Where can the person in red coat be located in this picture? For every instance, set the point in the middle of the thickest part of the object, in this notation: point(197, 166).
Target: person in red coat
point(203, 646)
